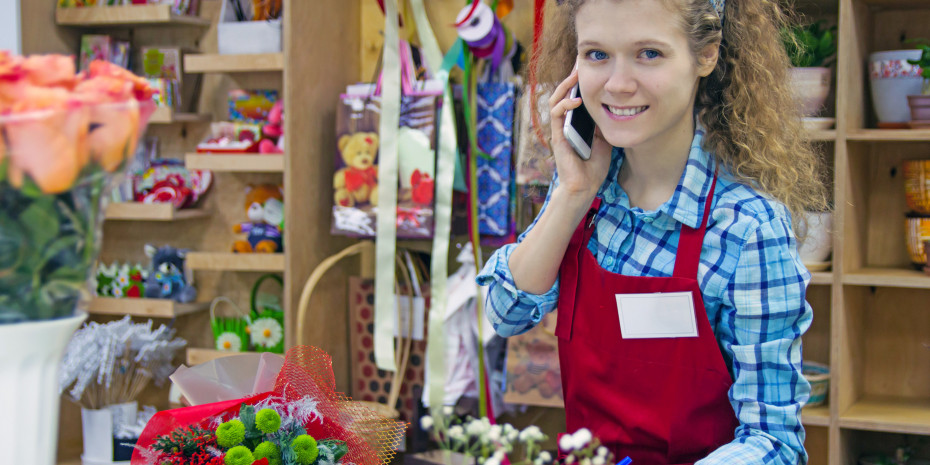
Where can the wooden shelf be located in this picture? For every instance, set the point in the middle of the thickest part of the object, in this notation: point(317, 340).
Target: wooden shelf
point(130, 15)
point(890, 415)
point(820, 135)
point(152, 308)
point(822, 278)
point(890, 135)
point(138, 211)
point(230, 261)
point(197, 355)
point(244, 163)
point(816, 416)
point(887, 277)
point(216, 63)
point(165, 115)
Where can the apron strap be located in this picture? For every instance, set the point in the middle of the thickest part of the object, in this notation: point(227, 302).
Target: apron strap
point(690, 241)
point(570, 271)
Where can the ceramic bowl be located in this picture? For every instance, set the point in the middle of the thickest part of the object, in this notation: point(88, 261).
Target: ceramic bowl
point(893, 79)
point(917, 230)
point(917, 185)
point(811, 87)
point(816, 238)
point(811, 123)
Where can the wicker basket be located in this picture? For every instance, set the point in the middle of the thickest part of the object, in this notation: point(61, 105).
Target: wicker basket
point(818, 375)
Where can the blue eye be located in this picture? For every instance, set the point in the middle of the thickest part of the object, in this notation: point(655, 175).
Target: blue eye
point(597, 55)
point(651, 54)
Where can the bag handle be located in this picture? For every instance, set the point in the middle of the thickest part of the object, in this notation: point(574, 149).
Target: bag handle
point(219, 299)
point(253, 298)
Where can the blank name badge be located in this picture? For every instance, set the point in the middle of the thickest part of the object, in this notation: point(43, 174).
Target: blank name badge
point(656, 315)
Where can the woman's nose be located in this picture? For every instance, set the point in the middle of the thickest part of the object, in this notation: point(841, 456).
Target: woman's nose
point(621, 79)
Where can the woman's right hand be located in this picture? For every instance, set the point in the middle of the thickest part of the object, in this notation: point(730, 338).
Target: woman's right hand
point(576, 176)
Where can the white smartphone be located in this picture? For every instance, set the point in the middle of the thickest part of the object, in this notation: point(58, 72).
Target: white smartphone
point(579, 128)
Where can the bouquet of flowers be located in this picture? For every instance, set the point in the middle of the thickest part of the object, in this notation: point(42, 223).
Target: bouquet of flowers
point(302, 421)
point(62, 138)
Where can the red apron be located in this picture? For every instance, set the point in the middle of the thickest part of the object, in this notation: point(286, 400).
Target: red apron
point(659, 401)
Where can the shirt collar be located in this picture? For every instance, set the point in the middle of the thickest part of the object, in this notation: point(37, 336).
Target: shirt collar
point(686, 205)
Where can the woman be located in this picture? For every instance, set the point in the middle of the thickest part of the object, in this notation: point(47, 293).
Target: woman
point(670, 253)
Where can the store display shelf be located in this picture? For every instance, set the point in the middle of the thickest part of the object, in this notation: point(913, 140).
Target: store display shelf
point(216, 63)
point(138, 211)
point(229, 261)
point(129, 15)
point(821, 135)
point(242, 163)
point(888, 414)
point(887, 277)
point(822, 278)
point(895, 4)
point(890, 135)
point(165, 115)
point(816, 416)
point(152, 308)
point(197, 355)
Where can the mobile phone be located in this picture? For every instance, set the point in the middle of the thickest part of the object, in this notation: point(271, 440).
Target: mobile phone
point(579, 128)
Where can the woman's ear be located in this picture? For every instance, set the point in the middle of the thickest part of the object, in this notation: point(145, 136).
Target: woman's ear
point(707, 59)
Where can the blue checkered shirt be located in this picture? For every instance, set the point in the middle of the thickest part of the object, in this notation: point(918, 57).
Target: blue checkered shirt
point(753, 284)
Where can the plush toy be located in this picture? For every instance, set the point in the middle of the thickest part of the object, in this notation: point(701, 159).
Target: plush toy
point(167, 277)
point(422, 187)
point(263, 10)
point(264, 205)
point(273, 131)
point(357, 183)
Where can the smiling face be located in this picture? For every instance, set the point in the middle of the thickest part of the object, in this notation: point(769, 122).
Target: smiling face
point(637, 74)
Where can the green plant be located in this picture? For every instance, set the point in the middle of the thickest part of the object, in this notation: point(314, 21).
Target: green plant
point(923, 61)
point(810, 45)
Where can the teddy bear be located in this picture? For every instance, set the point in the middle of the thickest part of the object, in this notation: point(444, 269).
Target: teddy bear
point(264, 206)
point(357, 183)
point(168, 277)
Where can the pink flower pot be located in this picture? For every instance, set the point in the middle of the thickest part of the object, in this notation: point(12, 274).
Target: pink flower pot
point(920, 107)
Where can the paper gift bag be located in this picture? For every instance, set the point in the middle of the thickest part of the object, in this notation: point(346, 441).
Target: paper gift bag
point(533, 374)
point(495, 138)
point(368, 382)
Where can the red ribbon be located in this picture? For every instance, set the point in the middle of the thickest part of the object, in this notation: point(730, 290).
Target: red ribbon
point(474, 6)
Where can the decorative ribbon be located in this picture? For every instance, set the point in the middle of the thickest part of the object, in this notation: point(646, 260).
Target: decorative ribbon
point(445, 173)
point(385, 245)
point(480, 28)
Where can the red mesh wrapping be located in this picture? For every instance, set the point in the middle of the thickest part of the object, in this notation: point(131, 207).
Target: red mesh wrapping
point(307, 371)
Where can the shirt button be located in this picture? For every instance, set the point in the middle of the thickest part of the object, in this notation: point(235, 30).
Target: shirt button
point(648, 219)
point(609, 261)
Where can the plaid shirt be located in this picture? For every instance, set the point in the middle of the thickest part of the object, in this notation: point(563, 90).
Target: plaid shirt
point(752, 281)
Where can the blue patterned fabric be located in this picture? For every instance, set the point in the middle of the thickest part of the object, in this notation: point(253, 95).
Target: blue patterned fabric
point(495, 137)
point(753, 286)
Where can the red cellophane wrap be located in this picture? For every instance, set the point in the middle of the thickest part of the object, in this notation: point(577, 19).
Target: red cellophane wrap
point(307, 371)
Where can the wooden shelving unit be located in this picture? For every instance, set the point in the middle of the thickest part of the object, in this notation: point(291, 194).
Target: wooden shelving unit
point(887, 277)
point(216, 63)
point(137, 211)
point(165, 115)
point(822, 135)
point(228, 261)
point(146, 308)
point(889, 135)
point(822, 278)
point(196, 355)
point(816, 416)
point(122, 16)
point(242, 163)
point(890, 415)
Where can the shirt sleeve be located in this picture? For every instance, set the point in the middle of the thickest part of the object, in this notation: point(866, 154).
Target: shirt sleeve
point(510, 310)
point(766, 318)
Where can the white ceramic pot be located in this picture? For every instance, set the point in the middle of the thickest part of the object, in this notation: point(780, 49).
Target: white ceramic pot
point(811, 87)
point(893, 79)
point(817, 244)
point(30, 354)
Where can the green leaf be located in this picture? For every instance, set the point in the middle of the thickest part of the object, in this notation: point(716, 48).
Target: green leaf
point(58, 298)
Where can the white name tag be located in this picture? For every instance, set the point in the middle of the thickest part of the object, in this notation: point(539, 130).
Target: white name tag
point(656, 315)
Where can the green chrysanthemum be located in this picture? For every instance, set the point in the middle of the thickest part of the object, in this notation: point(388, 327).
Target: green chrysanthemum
point(267, 420)
point(230, 434)
point(305, 448)
point(268, 450)
point(239, 455)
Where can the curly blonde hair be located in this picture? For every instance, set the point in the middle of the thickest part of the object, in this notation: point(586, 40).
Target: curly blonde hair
point(752, 120)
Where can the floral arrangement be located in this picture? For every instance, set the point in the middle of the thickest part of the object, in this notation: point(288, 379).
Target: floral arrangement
point(121, 280)
point(110, 364)
point(62, 138)
point(271, 431)
point(496, 444)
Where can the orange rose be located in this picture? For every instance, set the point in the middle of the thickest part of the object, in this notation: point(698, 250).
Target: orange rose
point(104, 89)
point(115, 134)
point(140, 86)
point(50, 70)
point(48, 146)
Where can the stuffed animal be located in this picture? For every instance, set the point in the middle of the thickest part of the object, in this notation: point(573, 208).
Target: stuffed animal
point(273, 130)
point(167, 277)
point(264, 205)
point(357, 183)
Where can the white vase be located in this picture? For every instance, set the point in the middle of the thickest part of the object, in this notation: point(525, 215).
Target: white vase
point(811, 87)
point(30, 354)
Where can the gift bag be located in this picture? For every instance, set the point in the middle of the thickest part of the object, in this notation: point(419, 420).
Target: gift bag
point(533, 374)
point(230, 333)
point(495, 138)
point(266, 330)
point(355, 181)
